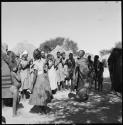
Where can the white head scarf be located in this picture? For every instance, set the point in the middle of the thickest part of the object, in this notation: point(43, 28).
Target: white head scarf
point(42, 52)
point(25, 52)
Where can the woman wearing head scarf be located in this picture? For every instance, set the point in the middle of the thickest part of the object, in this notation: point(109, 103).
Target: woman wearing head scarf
point(41, 91)
point(25, 72)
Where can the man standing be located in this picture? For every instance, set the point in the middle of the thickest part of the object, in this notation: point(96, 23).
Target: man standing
point(100, 76)
point(91, 71)
point(71, 67)
point(82, 70)
point(58, 65)
point(81, 77)
point(96, 69)
point(63, 70)
point(115, 69)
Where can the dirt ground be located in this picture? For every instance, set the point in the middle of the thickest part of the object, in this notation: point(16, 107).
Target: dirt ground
point(101, 107)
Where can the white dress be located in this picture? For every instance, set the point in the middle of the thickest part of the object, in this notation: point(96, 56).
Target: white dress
point(52, 77)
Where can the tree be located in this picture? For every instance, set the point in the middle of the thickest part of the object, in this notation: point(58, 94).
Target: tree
point(52, 43)
point(118, 44)
point(108, 51)
point(24, 45)
point(70, 45)
point(64, 42)
point(46, 48)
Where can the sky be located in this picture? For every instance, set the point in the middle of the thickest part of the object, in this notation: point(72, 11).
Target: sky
point(92, 25)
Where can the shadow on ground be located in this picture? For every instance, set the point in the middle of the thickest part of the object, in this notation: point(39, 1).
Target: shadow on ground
point(101, 110)
point(101, 107)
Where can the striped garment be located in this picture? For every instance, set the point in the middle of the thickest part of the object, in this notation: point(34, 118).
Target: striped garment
point(6, 81)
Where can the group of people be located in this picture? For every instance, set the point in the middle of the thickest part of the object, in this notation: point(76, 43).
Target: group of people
point(38, 79)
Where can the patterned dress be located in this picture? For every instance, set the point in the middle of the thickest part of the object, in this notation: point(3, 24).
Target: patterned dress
point(6, 78)
point(25, 74)
point(41, 94)
point(31, 76)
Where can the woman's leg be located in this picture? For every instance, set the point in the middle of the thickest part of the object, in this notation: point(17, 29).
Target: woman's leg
point(25, 94)
point(101, 84)
point(66, 84)
point(72, 85)
point(95, 81)
point(15, 99)
point(63, 85)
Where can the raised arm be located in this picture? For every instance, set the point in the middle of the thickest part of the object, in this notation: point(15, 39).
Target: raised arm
point(57, 62)
point(16, 76)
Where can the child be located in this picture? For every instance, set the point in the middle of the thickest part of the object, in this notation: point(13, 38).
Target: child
point(52, 74)
point(15, 88)
point(100, 76)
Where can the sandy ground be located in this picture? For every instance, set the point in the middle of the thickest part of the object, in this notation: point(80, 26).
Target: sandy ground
point(101, 107)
